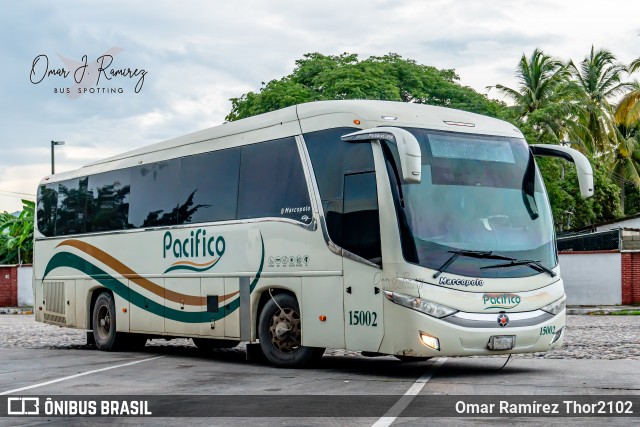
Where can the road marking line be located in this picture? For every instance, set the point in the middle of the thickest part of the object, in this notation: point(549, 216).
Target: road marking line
point(394, 412)
point(82, 374)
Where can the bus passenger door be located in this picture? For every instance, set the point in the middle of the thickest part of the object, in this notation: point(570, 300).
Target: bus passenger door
point(360, 224)
point(362, 307)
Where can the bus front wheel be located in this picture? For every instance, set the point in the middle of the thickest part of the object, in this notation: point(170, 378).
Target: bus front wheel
point(280, 333)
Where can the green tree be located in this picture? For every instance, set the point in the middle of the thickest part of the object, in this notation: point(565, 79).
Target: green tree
point(631, 200)
point(543, 96)
point(605, 203)
point(539, 78)
point(627, 112)
point(599, 77)
point(390, 77)
point(16, 235)
point(549, 108)
point(569, 209)
point(626, 161)
point(554, 102)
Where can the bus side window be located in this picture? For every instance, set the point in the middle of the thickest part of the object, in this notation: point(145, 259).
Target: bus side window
point(47, 206)
point(360, 219)
point(108, 200)
point(272, 182)
point(332, 159)
point(154, 194)
point(209, 187)
point(72, 207)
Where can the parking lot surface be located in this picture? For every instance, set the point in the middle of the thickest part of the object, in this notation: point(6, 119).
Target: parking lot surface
point(601, 356)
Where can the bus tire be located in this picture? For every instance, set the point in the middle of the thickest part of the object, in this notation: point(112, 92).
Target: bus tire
point(207, 344)
point(280, 333)
point(104, 323)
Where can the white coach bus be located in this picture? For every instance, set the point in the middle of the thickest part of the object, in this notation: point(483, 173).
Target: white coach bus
point(381, 227)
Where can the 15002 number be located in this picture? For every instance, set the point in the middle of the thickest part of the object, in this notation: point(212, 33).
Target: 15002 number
point(364, 318)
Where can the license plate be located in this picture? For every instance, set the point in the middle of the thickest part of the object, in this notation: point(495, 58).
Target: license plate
point(502, 342)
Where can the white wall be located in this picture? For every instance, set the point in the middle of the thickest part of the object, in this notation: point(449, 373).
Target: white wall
point(592, 279)
point(25, 286)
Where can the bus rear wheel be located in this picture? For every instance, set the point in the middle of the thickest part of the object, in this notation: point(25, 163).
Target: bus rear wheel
point(280, 333)
point(104, 323)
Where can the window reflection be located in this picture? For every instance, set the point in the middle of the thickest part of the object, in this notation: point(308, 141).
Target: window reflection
point(360, 220)
point(46, 210)
point(194, 189)
point(154, 194)
point(272, 182)
point(108, 201)
point(209, 186)
point(71, 211)
point(332, 159)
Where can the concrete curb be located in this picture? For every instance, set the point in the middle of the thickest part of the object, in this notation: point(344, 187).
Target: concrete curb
point(15, 310)
point(600, 309)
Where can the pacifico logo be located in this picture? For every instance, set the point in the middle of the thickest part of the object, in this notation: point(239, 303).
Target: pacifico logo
point(504, 301)
point(198, 252)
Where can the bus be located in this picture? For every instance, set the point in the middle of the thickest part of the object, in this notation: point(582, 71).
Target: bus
point(382, 227)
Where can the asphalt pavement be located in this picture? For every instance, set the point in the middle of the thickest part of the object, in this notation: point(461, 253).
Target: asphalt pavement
point(601, 358)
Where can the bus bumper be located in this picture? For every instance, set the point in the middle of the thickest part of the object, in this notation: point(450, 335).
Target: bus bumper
point(456, 340)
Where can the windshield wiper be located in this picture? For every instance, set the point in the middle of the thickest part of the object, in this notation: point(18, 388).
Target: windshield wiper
point(471, 254)
point(536, 265)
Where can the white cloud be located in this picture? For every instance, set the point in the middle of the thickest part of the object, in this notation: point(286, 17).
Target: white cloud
point(199, 54)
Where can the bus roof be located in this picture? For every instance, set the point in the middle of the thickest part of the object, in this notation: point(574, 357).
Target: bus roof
point(304, 118)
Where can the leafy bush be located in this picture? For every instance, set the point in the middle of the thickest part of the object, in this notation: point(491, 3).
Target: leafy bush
point(16, 236)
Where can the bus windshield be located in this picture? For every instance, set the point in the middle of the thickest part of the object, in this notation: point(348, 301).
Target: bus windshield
point(478, 193)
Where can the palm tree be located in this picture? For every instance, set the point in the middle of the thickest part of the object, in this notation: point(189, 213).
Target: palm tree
point(538, 77)
point(599, 77)
point(628, 111)
point(625, 166)
point(627, 119)
point(543, 93)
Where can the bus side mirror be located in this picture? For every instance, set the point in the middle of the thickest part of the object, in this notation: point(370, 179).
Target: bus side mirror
point(583, 167)
point(408, 148)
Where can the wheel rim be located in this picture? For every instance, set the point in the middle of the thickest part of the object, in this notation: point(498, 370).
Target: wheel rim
point(285, 331)
point(104, 322)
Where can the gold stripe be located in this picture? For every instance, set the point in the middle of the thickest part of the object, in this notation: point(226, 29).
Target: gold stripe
point(144, 283)
point(228, 296)
point(205, 264)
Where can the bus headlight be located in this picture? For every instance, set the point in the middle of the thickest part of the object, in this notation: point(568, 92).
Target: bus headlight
point(556, 306)
point(419, 304)
point(429, 341)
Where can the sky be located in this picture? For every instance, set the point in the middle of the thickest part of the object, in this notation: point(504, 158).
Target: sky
point(186, 59)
